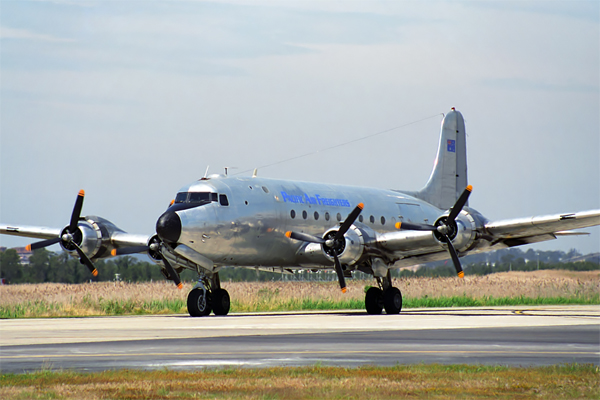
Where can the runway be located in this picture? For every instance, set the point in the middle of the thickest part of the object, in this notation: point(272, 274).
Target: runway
point(496, 336)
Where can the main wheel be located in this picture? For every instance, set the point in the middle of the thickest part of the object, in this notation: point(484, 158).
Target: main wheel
point(198, 304)
point(220, 302)
point(374, 300)
point(392, 300)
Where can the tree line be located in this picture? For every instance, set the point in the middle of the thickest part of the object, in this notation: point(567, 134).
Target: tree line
point(46, 266)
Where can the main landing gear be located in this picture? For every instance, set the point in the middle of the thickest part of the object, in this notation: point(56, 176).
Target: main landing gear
point(385, 296)
point(208, 296)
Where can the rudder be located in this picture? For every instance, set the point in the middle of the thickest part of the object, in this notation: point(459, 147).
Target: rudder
point(449, 176)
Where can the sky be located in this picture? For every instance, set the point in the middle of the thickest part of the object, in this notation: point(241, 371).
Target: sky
point(131, 100)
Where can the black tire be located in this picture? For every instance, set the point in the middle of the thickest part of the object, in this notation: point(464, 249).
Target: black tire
point(374, 301)
point(392, 300)
point(197, 304)
point(221, 302)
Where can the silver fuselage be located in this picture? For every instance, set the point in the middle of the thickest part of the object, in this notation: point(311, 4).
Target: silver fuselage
point(250, 231)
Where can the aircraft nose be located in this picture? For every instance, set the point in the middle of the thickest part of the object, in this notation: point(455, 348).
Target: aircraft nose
point(168, 227)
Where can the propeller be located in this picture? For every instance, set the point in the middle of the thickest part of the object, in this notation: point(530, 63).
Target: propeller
point(332, 242)
point(129, 250)
point(444, 228)
point(69, 235)
point(172, 273)
point(154, 247)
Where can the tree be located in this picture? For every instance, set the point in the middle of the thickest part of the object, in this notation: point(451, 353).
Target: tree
point(10, 266)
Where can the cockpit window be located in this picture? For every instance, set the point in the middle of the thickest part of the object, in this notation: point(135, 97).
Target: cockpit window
point(196, 197)
point(199, 197)
point(181, 197)
point(223, 200)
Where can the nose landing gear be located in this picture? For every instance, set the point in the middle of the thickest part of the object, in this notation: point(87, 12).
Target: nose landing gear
point(208, 296)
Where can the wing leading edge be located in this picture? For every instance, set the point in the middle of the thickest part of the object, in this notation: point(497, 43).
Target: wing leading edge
point(522, 229)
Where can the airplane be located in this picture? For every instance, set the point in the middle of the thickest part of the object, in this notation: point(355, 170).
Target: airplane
point(282, 226)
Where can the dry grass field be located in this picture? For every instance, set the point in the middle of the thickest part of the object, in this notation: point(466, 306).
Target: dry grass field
point(411, 382)
point(110, 298)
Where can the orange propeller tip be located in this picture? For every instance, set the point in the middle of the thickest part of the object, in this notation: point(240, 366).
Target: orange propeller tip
point(461, 274)
point(288, 234)
point(361, 205)
point(344, 290)
point(398, 225)
point(469, 188)
point(82, 193)
point(172, 201)
point(113, 252)
point(180, 285)
point(28, 247)
point(95, 272)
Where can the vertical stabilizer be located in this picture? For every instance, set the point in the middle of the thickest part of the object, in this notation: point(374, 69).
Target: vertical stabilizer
point(449, 176)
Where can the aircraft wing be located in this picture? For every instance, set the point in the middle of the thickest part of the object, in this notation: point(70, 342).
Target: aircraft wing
point(123, 239)
point(523, 230)
point(117, 237)
point(418, 247)
point(39, 232)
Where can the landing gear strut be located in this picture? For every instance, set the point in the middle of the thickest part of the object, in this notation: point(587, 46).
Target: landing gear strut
point(208, 296)
point(385, 296)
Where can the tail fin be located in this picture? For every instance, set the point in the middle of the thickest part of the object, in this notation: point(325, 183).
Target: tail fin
point(449, 176)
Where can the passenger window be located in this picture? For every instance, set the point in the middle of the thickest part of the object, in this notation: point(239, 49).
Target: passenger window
point(326, 216)
point(293, 214)
point(316, 216)
point(339, 217)
point(360, 218)
point(304, 214)
point(372, 219)
point(382, 220)
point(223, 200)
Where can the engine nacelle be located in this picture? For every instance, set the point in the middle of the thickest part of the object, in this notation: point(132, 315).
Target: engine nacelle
point(463, 232)
point(92, 236)
point(350, 250)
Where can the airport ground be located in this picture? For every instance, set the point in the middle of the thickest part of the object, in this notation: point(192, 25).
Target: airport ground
point(510, 352)
point(506, 352)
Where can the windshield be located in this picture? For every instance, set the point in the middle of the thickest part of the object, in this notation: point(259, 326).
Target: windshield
point(195, 197)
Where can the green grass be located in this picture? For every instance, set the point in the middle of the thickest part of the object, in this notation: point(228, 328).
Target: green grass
point(35, 309)
point(313, 382)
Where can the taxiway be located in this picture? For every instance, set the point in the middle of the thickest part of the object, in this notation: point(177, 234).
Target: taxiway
point(493, 335)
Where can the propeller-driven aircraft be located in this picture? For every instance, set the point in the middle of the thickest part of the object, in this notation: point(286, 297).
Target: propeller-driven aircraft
point(282, 226)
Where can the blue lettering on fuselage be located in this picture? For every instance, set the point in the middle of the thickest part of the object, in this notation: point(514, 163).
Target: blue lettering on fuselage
point(316, 199)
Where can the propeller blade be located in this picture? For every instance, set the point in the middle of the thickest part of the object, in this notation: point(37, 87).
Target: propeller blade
point(43, 243)
point(409, 226)
point(76, 212)
point(455, 259)
point(349, 221)
point(340, 272)
point(84, 259)
point(460, 203)
point(172, 273)
point(129, 250)
point(304, 237)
